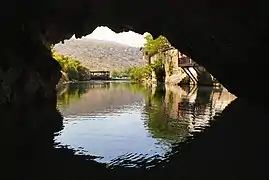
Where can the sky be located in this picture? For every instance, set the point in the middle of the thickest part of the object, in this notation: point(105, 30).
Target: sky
point(130, 38)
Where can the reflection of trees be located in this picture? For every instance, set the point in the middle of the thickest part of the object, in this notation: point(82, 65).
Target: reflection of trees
point(175, 112)
point(163, 127)
point(159, 123)
point(28, 150)
point(136, 88)
point(70, 92)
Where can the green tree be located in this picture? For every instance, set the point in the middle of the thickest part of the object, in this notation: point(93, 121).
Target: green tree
point(114, 74)
point(140, 73)
point(73, 68)
point(158, 68)
point(153, 46)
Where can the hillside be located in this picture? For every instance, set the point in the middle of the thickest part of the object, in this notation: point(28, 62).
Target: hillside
point(101, 55)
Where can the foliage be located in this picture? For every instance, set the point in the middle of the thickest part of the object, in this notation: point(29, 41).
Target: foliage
point(73, 68)
point(158, 67)
point(121, 73)
point(140, 74)
point(153, 46)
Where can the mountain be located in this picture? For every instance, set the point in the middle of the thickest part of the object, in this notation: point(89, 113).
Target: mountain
point(100, 54)
point(130, 38)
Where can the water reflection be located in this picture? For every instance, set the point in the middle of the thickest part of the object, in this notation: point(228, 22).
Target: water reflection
point(176, 112)
point(233, 147)
point(128, 124)
point(68, 93)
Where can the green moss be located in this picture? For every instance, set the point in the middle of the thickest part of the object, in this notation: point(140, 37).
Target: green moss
point(170, 68)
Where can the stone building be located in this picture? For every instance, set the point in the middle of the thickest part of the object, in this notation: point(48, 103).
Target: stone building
point(179, 68)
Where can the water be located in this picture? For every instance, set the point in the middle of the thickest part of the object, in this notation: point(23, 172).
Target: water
point(173, 132)
point(126, 124)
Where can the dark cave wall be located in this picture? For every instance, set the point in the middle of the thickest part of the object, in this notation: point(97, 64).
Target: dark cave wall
point(28, 73)
point(228, 38)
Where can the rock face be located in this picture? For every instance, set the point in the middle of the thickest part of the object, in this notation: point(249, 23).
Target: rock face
point(225, 37)
point(175, 74)
point(28, 73)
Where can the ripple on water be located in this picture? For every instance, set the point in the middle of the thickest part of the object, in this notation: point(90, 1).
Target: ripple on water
point(139, 130)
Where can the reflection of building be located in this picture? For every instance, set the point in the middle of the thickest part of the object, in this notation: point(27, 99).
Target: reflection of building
point(177, 112)
point(179, 68)
point(195, 106)
point(175, 95)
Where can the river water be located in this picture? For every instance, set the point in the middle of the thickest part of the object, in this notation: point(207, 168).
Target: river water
point(122, 123)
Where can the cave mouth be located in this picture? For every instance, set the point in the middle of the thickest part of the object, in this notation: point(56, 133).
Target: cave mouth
point(224, 39)
point(168, 63)
point(120, 151)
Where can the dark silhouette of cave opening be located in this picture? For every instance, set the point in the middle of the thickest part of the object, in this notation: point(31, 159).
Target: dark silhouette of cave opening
point(224, 37)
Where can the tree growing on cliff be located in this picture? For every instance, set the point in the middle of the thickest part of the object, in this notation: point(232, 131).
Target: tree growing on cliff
point(152, 46)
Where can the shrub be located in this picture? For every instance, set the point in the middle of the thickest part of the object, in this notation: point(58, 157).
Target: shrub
point(73, 68)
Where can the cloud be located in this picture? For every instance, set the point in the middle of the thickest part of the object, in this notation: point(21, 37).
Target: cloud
point(130, 38)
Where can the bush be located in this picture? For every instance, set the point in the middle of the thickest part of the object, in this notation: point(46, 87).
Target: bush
point(120, 73)
point(158, 68)
point(73, 68)
point(140, 73)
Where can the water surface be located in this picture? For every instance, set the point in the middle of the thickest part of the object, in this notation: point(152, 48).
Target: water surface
point(125, 123)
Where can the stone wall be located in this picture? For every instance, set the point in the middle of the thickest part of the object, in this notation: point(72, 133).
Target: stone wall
point(152, 59)
point(175, 74)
